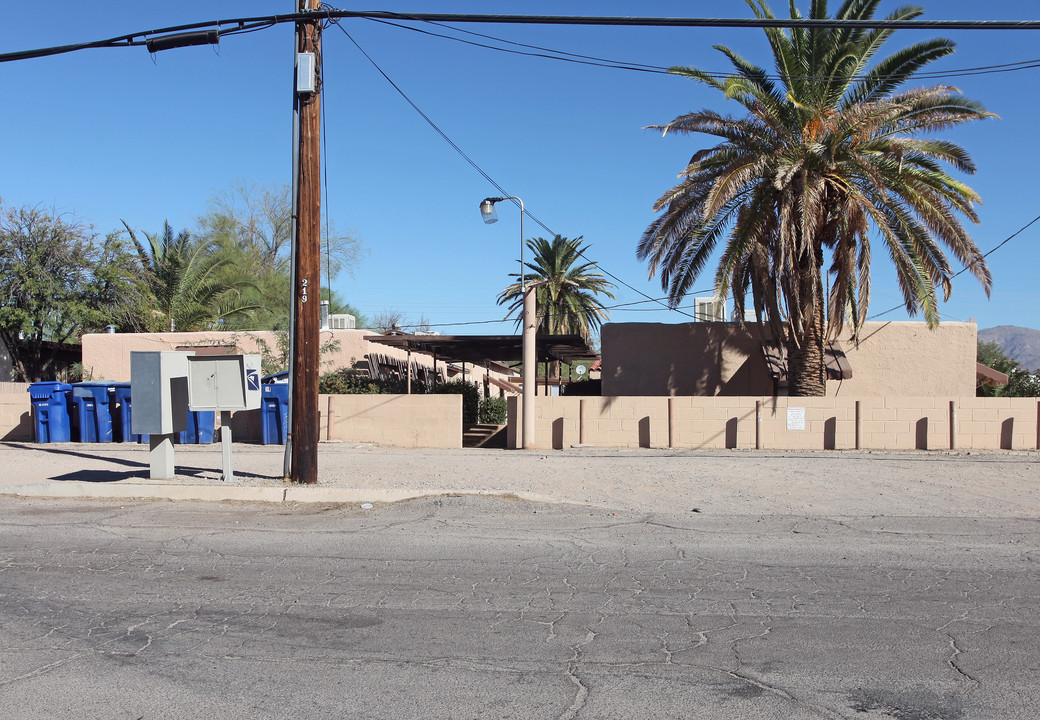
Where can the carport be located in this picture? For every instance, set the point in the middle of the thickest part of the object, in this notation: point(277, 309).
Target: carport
point(485, 349)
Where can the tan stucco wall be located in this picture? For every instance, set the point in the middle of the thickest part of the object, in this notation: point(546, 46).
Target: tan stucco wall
point(891, 423)
point(15, 416)
point(107, 356)
point(396, 420)
point(895, 358)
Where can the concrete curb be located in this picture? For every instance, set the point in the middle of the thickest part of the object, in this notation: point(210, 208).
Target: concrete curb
point(209, 493)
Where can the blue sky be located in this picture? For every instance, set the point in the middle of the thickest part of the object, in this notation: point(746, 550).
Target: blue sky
point(121, 134)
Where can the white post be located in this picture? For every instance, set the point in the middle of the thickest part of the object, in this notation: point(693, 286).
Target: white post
point(530, 364)
point(160, 457)
point(225, 445)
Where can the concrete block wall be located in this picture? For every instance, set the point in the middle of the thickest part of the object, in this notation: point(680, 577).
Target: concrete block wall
point(395, 420)
point(783, 423)
point(881, 423)
point(16, 422)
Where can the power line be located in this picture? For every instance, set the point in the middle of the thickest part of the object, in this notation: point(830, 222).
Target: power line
point(624, 307)
point(232, 26)
point(992, 250)
point(483, 174)
point(564, 56)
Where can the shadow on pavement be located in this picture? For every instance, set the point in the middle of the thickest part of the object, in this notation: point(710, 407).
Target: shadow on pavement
point(74, 453)
point(141, 471)
point(101, 476)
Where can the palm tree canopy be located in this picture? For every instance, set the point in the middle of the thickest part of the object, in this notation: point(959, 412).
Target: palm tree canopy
point(566, 288)
point(828, 153)
point(183, 278)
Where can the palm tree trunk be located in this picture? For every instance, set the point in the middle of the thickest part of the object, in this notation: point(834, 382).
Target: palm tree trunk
point(805, 365)
point(806, 370)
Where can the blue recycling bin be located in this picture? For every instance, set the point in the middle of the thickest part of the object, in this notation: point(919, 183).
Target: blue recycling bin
point(122, 413)
point(200, 430)
point(274, 413)
point(92, 411)
point(50, 404)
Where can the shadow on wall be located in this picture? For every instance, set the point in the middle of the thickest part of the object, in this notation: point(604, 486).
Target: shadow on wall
point(700, 359)
point(23, 431)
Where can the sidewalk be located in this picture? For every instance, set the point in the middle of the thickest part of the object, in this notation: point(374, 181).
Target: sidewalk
point(1005, 484)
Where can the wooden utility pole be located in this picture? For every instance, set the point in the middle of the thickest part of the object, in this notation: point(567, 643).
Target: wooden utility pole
point(306, 252)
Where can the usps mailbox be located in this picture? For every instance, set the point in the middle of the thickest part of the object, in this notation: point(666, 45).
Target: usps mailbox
point(224, 383)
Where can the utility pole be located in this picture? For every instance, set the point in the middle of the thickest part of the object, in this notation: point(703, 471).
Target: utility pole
point(303, 447)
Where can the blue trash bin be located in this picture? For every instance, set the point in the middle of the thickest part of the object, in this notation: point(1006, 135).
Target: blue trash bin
point(123, 413)
point(92, 411)
point(274, 413)
point(200, 430)
point(50, 404)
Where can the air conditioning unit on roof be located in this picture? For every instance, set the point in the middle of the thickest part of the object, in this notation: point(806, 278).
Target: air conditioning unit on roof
point(709, 309)
point(342, 321)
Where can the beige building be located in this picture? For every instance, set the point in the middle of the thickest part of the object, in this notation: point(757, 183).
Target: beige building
point(106, 356)
point(719, 358)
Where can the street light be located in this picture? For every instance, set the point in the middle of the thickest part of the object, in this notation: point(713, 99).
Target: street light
point(526, 439)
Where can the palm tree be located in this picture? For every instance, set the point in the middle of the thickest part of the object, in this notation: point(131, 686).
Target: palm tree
point(827, 153)
point(185, 283)
point(566, 288)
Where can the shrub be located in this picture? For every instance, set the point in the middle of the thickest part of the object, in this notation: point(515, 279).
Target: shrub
point(347, 381)
point(470, 397)
point(492, 410)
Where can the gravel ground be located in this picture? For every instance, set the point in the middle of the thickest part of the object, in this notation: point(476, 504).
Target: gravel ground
point(828, 484)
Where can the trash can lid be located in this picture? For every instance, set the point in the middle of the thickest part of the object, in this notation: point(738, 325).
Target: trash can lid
point(43, 390)
point(98, 390)
point(52, 384)
point(281, 377)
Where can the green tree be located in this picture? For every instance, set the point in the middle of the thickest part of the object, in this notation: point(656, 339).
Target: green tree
point(826, 154)
point(1021, 382)
point(567, 288)
point(186, 289)
point(56, 282)
point(250, 227)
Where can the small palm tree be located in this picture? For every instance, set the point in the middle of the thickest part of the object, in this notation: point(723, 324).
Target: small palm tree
point(825, 156)
point(566, 288)
point(185, 285)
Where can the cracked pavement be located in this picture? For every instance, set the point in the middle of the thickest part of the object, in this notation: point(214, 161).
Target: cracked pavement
point(470, 607)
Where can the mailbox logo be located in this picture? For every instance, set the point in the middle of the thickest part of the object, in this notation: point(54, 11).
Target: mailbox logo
point(253, 380)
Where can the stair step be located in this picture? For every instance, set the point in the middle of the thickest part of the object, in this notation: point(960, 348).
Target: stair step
point(484, 435)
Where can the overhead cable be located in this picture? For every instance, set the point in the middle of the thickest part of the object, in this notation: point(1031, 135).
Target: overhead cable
point(244, 24)
point(475, 166)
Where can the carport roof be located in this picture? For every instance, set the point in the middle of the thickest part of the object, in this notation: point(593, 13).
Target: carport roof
point(481, 348)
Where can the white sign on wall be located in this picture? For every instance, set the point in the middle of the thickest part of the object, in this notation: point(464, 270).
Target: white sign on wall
point(796, 418)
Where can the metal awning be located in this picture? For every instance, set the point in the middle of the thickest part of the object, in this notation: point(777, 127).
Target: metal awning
point(985, 375)
point(483, 348)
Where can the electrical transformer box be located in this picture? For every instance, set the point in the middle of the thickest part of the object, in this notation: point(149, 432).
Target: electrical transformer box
point(159, 388)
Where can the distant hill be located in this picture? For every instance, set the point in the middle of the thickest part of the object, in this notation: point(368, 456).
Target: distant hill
point(1021, 344)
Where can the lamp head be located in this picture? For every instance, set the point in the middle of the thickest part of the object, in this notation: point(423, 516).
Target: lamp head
point(487, 210)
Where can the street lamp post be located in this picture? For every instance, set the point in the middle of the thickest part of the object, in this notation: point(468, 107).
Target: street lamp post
point(528, 321)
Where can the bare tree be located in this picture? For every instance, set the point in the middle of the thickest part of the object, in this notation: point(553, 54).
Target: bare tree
point(388, 320)
point(260, 218)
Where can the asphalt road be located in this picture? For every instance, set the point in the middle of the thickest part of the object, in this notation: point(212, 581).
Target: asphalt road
point(491, 608)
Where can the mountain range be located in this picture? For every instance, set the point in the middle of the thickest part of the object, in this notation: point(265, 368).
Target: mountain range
point(1021, 344)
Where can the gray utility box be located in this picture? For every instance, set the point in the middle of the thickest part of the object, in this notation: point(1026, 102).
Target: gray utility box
point(224, 382)
point(159, 388)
